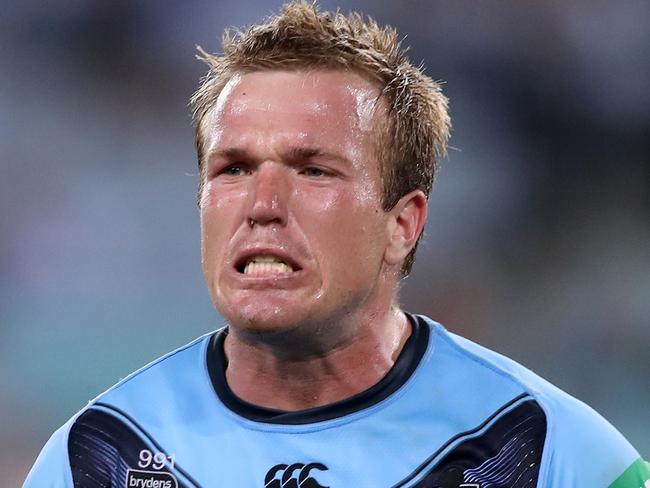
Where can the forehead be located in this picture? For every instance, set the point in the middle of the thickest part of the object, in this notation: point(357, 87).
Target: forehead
point(308, 104)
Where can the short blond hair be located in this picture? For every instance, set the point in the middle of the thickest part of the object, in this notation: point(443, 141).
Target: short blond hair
point(413, 139)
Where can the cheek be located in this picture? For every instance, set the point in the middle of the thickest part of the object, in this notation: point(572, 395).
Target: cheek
point(219, 222)
point(221, 210)
point(210, 245)
point(347, 227)
point(362, 229)
point(215, 197)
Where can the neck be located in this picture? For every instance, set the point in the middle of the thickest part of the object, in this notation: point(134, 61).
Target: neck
point(264, 375)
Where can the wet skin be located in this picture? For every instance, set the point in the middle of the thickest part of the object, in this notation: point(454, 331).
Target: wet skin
point(291, 174)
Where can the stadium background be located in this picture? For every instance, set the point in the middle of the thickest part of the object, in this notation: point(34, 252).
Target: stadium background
point(537, 245)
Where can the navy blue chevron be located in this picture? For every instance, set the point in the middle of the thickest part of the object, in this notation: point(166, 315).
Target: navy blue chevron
point(504, 451)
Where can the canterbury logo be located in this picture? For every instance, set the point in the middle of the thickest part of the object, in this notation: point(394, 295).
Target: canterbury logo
point(293, 476)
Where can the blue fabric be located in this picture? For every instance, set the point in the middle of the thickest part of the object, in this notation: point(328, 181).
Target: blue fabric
point(459, 395)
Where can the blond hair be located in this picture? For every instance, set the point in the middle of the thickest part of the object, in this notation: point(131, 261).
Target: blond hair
point(412, 139)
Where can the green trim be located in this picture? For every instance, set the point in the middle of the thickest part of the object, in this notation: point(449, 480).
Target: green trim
point(636, 476)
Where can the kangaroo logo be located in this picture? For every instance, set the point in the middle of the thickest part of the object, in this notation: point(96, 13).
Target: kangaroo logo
point(296, 475)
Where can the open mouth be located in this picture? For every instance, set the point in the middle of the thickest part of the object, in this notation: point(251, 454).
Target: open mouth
point(265, 265)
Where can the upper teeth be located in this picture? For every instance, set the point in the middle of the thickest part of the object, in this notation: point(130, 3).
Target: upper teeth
point(258, 265)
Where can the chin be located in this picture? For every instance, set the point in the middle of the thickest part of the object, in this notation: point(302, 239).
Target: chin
point(263, 317)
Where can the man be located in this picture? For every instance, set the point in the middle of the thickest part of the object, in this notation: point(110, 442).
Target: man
point(317, 143)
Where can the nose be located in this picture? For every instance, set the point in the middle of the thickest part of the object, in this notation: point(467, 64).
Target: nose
point(269, 195)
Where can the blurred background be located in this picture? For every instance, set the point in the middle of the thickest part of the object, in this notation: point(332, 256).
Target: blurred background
point(537, 244)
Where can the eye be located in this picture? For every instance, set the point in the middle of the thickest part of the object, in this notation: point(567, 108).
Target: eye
point(234, 170)
point(314, 172)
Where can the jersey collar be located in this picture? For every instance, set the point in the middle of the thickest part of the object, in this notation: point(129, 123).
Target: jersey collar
point(406, 363)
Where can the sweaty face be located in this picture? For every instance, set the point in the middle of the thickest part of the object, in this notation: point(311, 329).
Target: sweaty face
point(291, 222)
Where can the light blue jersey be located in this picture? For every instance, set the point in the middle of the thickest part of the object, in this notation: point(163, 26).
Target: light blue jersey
point(449, 414)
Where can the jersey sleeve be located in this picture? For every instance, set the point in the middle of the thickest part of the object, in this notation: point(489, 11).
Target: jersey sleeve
point(636, 476)
point(52, 467)
point(587, 452)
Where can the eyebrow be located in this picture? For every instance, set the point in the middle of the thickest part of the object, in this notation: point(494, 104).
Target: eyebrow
point(231, 153)
point(294, 155)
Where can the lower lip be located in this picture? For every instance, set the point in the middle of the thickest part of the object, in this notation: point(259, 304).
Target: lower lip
point(280, 280)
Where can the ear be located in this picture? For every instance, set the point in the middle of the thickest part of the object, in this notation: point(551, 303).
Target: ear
point(406, 222)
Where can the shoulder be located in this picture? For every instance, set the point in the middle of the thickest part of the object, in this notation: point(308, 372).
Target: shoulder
point(162, 375)
point(581, 448)
point(120, 412)
point(52, 468)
